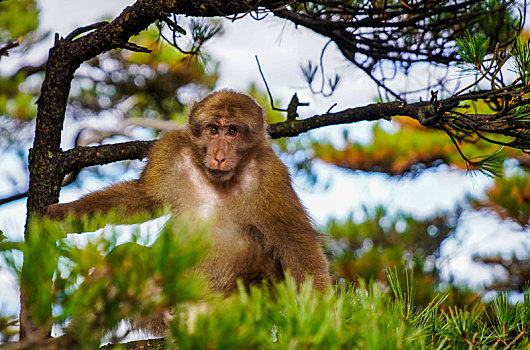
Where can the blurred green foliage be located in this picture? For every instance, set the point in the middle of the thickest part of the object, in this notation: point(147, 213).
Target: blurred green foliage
point(18, 23)
point(8, 327)
point(362, 316)
point(98, 283)
point(365, 250)
point(18, 18)
point(509, 197)
point(149, 86)
point(406, 149)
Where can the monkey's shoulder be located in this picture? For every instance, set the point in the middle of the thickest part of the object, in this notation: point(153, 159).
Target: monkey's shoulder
point(274, 172)
point(164, 154)
point(171, 143)
point(162, 167)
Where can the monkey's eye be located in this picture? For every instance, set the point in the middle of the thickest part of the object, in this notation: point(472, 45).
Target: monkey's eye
point(214, 130)
point(232, 131)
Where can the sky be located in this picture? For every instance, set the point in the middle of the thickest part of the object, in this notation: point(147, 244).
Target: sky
point(281, 48)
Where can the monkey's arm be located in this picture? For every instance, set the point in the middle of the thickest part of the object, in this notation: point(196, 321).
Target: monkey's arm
point(288, 231)
point(127, 198)
point(148, 194)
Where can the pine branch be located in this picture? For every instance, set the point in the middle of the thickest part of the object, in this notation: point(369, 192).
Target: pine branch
point(424, 112)
point(84, 156)
point(13, 198)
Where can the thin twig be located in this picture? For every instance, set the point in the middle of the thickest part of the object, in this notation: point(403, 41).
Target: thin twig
point(523, 332)
point(85, 29)
point(133, 47)
point(267, 87)
point(13, 198)
point(330, 108)
point(322, 68)
point(173, 24)
point(380, 84)
point(4, 50)
point(468, 161)
point(475, 83)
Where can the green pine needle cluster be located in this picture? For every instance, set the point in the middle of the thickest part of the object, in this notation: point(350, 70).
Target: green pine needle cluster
point(490, 165)
point(363, 316)
point(521, 55)
point(472, 48)
point(94, 285)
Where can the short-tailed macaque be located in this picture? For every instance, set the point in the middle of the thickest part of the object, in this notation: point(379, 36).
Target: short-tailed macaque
point(221, 167)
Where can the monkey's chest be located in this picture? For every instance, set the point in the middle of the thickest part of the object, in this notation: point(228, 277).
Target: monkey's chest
point(205, 203)
point(217, 210)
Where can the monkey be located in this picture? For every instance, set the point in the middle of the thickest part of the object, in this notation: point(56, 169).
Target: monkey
point(221, 167)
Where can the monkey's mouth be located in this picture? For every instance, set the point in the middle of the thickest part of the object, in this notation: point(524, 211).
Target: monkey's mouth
point(218, 172)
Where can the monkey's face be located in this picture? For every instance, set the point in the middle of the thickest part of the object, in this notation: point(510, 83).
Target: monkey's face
point(224, 127)
point(222, 144)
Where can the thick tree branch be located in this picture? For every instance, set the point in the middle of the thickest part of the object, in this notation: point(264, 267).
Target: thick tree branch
point(435, 114)
point(46, 163)
point(67, 55)
point(81, 157)
point(352, 115)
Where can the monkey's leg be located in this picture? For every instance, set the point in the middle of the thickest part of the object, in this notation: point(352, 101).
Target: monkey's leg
point(126, 198)
point(303, 256)
point(289, 235)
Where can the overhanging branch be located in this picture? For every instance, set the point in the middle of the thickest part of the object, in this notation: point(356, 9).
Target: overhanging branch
point(432, 114)
point(80, 157)
point(352, 115)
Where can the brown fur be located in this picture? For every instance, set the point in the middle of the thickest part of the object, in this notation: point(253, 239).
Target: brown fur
point(261, 230)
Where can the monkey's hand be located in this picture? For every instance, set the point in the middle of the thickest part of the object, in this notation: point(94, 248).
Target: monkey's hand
point(71, 220)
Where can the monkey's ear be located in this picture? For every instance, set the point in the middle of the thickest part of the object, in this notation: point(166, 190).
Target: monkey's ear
point(193, 111)
point(194, 106)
